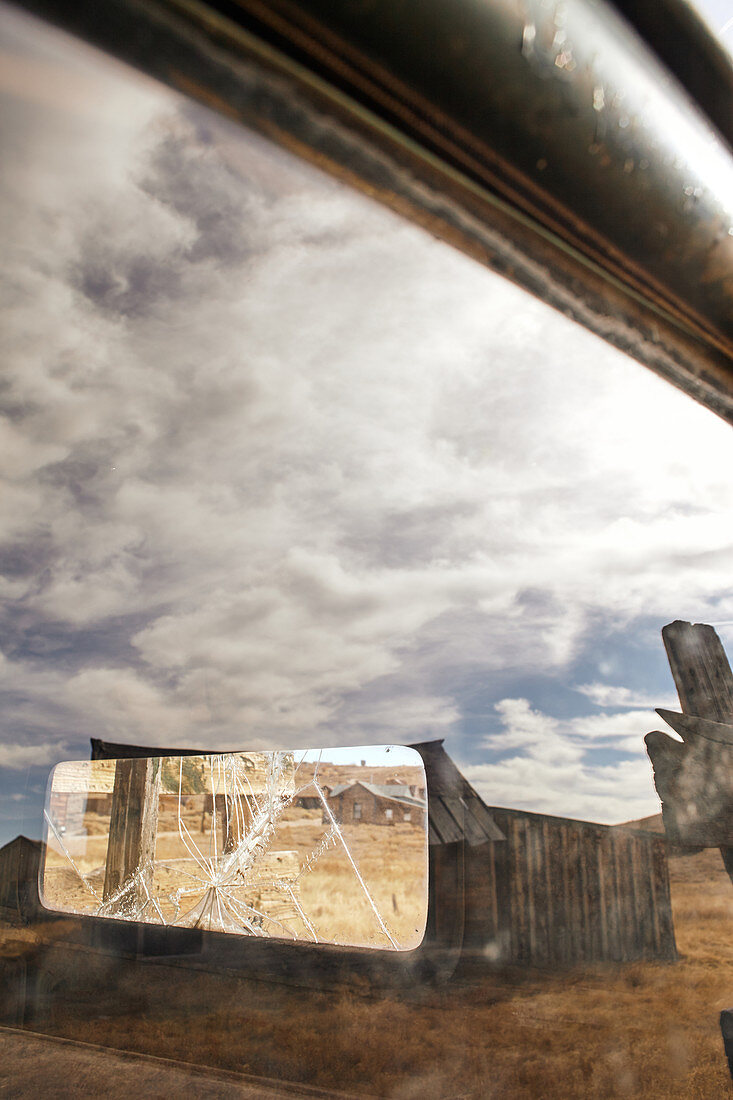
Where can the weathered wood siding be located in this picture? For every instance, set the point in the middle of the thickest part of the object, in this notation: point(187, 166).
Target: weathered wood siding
point(446, 894)
point(19, 865)
point(693, 777)
point(133, 822)
point(485, 885)
point(701, 671)
point(572, 892)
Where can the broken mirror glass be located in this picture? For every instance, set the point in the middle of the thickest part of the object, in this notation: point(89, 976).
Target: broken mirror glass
point(327, 846)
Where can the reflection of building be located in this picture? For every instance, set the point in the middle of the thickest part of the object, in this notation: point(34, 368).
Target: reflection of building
point(375, 804)
point(80, 787)
point(67, 810)
point(20, 861)
point(312, 801)
point(531, 889)
point(520, 888)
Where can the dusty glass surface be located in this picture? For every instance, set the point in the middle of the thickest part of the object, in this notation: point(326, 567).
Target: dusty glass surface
point(280, 469)
point(252, 844)
point(717, 14)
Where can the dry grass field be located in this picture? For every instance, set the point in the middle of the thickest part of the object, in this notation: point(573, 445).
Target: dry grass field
point(642, 1030)
point(330, 894)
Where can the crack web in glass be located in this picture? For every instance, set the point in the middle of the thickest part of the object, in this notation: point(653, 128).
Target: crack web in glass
point(236, 884)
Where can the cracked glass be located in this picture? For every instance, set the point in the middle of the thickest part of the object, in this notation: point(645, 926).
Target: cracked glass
point(268, 844)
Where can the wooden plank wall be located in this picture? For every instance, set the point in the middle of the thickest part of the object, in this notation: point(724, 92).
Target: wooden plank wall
point(484, 888)
point(446, 894)
point(566, 892)
point(19, 864)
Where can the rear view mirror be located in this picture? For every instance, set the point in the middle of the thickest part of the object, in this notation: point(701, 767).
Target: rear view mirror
point(325, 846)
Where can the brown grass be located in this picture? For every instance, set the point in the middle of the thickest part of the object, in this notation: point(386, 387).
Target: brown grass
point(330, 894)
point(640, 1030)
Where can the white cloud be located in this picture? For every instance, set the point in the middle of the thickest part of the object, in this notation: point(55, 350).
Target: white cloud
point(291, 459)
point(609, 695)
point(561, 766)
point(17, 757)
point(610, 794)
point(535, 731)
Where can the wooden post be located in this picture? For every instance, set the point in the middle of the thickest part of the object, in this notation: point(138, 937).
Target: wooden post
point(133, 823)
point(700, 669)
point(693, 778)
point(236, 818)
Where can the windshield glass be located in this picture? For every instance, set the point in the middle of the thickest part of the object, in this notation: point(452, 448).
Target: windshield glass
point(717, 15)
point(280, 470)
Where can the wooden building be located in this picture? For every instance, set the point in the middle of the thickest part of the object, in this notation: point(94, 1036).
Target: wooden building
point(312, 801)
point(20, 862)
point(465, 852)
point(375, 804)
point(578, 892)
point(520, 888)
point(535, 890)
point(80, 787)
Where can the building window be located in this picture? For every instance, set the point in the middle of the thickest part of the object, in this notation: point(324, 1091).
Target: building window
point(357, 811)
point(388, 814)
point(406, 815)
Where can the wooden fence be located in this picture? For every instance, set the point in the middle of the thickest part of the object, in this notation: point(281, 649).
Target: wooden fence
point(558, 892)
point(528, 889)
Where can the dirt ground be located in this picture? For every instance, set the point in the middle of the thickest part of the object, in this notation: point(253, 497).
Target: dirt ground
point(56, 1069)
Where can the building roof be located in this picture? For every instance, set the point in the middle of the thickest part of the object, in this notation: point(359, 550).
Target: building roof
point(396, 792)
point(20, 860)
point(115, 750)
point(455, 810)
point(21, 843)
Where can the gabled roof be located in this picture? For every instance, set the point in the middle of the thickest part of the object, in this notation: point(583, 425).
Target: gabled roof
point(115, 750)
point(21, 843)
point(396, 792)
point(455, 810)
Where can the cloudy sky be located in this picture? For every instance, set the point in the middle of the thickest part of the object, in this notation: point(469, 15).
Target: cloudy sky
point(281, 470)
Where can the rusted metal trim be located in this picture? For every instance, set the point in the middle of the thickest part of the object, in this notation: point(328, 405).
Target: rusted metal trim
point(468, 148)
point(194, 48)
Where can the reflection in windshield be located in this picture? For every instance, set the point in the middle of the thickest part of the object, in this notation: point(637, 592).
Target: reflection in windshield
point(280, 469)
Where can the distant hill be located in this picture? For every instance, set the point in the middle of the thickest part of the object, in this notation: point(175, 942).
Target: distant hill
point(333, 774)
point(653, 824)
